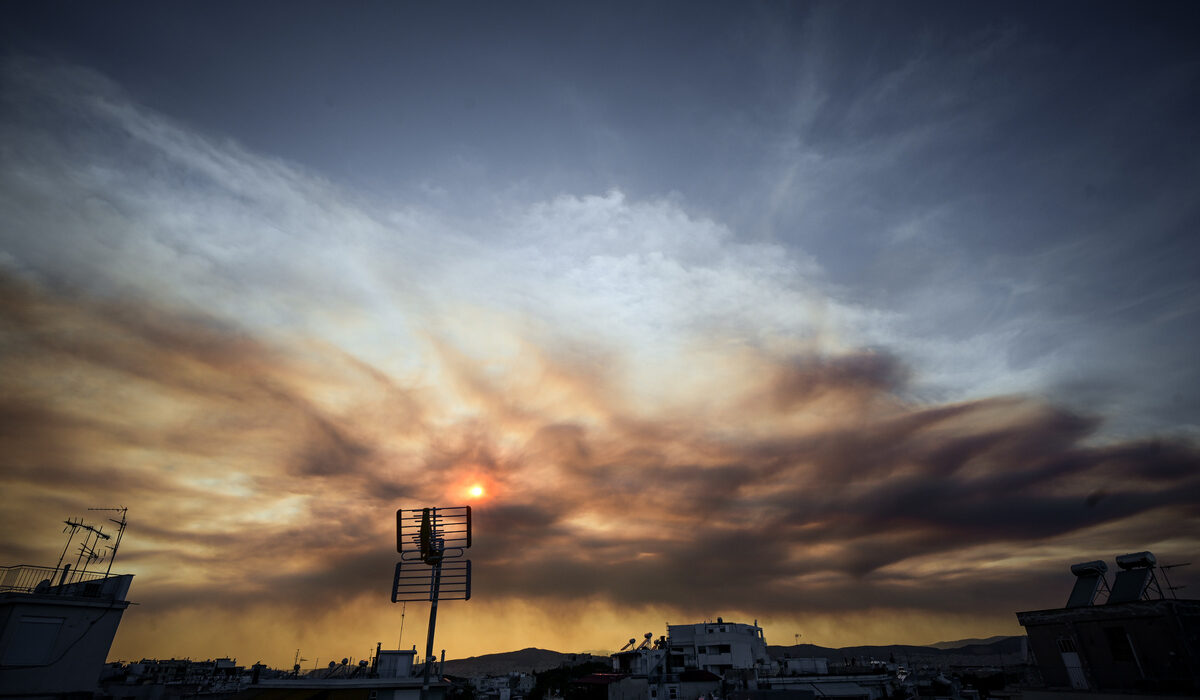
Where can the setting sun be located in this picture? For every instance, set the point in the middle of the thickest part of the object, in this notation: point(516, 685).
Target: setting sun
point(475, 491)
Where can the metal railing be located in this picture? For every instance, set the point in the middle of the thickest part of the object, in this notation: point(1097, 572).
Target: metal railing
point(27, 579)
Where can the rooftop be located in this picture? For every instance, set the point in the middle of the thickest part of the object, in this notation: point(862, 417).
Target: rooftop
point(49, 581)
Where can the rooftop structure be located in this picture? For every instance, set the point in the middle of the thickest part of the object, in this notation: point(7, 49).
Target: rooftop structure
point(58, 623)
point(56, 627)
point(1138, 639)
point(717, 647)
point(693, 661)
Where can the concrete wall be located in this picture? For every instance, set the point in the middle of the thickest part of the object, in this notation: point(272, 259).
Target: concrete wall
point(395, 663)
point(695, 690)
point(1136, 646)
point(53, 644)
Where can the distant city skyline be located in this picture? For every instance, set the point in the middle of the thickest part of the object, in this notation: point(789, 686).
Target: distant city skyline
point(861, 320)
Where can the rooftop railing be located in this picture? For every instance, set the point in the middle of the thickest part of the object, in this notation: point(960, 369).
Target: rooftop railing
point(44, 579)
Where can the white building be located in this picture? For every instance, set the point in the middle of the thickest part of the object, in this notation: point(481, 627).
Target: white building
point(718, 647)
point(640, 662)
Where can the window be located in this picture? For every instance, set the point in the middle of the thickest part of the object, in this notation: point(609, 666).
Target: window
point(672, 692)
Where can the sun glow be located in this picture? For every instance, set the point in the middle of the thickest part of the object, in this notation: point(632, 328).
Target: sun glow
point(475, 491)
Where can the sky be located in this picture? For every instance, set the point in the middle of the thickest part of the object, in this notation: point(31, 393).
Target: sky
point(860, 320)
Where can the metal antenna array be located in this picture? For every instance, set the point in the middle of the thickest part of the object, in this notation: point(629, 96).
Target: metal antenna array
point(1170, 588)
point(426, 538)
point(112, 554)
point(72, 526)
point(87, 548)
point(90, 549)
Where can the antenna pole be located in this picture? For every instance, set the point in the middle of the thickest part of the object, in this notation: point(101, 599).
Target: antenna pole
point(403, 610)
point(120, 532)
point(1171, 588)
point(431, 534)
point(73, 527)
point(84, 549)
point(433, 595)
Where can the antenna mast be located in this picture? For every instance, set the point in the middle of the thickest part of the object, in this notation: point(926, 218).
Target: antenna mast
point(90, 548)
point(1172, 588)
point(403, 609)
point(431, 536)
point(87, 548)
point(112, 554)
point(72, 526)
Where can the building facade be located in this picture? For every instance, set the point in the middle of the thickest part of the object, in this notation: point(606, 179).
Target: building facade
point(55, 637)
point(1136, 646)
point(717, 647)
point(1135, 640)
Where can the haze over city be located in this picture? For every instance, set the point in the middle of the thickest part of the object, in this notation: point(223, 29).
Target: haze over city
point(863, 320)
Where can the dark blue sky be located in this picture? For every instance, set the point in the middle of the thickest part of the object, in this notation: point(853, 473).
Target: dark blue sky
point(971, 167)
point(1047, 118)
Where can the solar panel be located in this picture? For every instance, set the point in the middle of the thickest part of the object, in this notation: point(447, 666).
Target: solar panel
point(1129, 585)
point(1089, 579)
point(1084, 591)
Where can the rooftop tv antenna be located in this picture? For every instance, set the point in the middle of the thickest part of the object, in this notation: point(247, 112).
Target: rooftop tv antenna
point(112, 549)
point(1170, 587)
point(72, 526)
point(426, 538)
point(91, 548)
point(87, 548)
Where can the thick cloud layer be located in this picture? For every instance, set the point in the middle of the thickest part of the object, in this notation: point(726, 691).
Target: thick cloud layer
point(666, 419)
